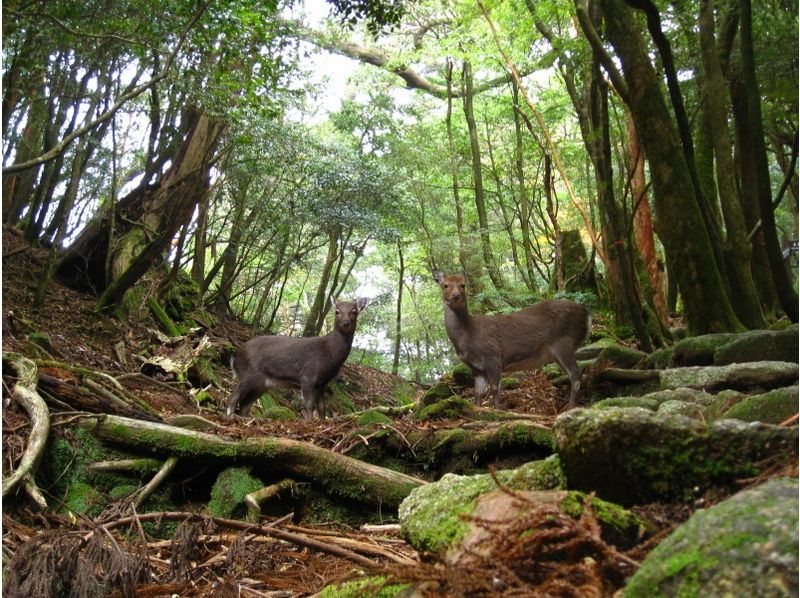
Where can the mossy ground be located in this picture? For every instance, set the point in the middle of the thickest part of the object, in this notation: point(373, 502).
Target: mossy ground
point(229, 491)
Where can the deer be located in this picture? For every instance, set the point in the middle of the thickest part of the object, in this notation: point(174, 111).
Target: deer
point(548, 331)
point(307, 363)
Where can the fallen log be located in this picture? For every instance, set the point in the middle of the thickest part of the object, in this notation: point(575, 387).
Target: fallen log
point(337, 474)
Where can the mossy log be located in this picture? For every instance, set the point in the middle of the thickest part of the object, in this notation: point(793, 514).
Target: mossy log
point(336, 474)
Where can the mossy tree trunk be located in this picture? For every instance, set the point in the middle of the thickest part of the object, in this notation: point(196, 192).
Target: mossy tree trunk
point(680, 220)
point(145, 221)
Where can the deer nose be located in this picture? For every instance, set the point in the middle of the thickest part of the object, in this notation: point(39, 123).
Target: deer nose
point(455, 295)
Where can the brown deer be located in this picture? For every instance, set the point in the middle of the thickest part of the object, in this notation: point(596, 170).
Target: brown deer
point(548, 331)
point(308, 363)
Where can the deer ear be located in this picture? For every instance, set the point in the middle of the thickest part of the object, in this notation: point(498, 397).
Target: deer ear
point(438, 276)
point(333, 301)
point(361, 302)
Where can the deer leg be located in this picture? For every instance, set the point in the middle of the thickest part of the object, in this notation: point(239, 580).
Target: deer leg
point(309, 401)
point(320, 403)
point(480, 388)
point(568, 363)
point(493, 375)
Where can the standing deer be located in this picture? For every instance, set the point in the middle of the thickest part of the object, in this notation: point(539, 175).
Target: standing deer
point(287, 361)
point(551, 330)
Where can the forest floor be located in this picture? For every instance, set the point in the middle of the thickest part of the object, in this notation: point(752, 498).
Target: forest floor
point(215, 560)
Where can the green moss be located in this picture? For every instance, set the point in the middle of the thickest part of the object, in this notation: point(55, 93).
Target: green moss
point(166, 323)
point(372, 417)
point(338, 401)
point(509, 383)
point(462, 375)
point(545, 474)
point(771, 407)
point(122, 491)
point(229, 491)
point(450, 408)
point(440, 390)
point(82, 498)
point(368, 587)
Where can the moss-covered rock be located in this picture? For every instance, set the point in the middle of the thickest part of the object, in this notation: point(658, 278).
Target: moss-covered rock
point(592, 350)
point(229, 491)
point(441, 390)
point(544, 474)
point(699, 350)
point(737, 376)
point(462, 375)
point(633, 455)
point(744, 546)
point(771, 407)
point(620, 356)
point(643, 402)
point(760, 345)
point(449, 408)
point(658, 360)
point(371, 417)
point(686, 408)
point(435, 518)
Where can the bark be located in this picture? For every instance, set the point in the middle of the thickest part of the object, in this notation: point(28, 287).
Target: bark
point(760, 265)
point(780, 275)
point(337, 474)
point(315, 316)
point(146, 220)
point(681, 224)
point(477, 181)
point(399, 316)
point(643, 221)
point(737, 250)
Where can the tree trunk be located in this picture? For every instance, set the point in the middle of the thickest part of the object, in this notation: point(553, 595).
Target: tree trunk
point(313, 323)
point(477, 180)
point(642, 220)
point(681, 223)
point(399, 317)
point(780, 275)
point(146, 219)
point(737, 250)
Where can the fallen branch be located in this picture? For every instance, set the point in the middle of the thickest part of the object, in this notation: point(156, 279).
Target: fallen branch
point(25, 393)
point(154, 483)
point(254, 500)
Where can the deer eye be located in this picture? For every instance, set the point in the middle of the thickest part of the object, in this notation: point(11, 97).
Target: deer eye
point(445, 285)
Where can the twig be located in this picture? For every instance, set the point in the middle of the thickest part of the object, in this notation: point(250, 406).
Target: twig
point(153, 484)
point(292, 538)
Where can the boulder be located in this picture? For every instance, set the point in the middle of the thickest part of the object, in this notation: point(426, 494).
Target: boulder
point(771, 407)
point(632, 455)
point(760, 345)
point(744, 546)
point(739, 376)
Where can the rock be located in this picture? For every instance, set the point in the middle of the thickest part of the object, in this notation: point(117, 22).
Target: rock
point(613, 402)
point(592, 350)
point(744, 546)
point(229, 491)
point(620, 356)
point(632, 455)
point(771, 407)
point(435, 518)
point(760, 345)
point(449, 408)
point(699, 350)
point(681, 408)
point(740, 376)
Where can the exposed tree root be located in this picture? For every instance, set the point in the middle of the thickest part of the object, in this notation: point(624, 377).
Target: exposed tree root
point(338, 474)
point(25, 393)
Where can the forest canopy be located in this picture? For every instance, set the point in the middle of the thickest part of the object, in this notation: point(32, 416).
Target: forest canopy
point(639, 157)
